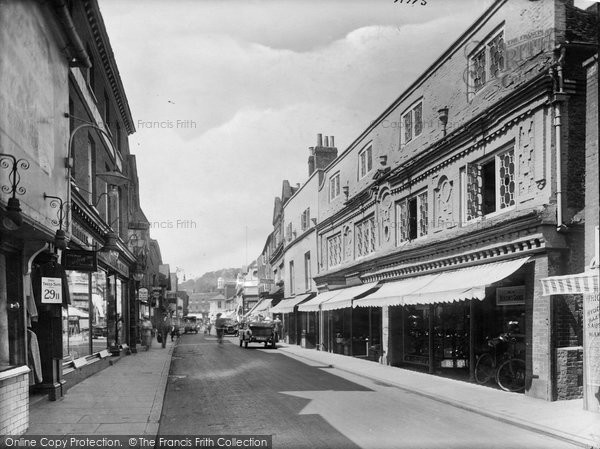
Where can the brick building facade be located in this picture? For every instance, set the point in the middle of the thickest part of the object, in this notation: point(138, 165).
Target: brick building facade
point(437, 224)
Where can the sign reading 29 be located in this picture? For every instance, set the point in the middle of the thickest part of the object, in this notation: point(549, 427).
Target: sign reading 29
point(51, 290)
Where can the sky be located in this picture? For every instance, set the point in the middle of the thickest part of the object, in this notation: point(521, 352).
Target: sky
point(227, 96)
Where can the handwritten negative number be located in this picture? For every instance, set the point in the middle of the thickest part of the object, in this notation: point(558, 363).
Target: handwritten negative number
point(411, 2)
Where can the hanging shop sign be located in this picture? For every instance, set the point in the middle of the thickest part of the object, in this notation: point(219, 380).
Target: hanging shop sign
point(80, 260)
point(51, 290)
point(510, 296)
point(143, 294)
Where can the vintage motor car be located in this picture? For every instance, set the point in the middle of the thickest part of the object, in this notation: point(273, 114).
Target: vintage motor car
point(259, 332)
point(191, 325)
point(230, 327)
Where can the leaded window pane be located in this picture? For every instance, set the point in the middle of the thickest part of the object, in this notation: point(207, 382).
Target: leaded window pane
point(474, 195)
point(423, 214)
point(506, 179)
point(407, 127)
point(497, 51)
point(478, 70)
point(402, 214)
point(418, 111)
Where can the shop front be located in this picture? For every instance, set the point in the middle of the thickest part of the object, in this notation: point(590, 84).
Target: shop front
point(287, 310)
point(443, 323)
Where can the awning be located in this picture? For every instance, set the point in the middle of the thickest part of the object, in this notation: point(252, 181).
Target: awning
point(287, 305)
point(75, 312)
point(261, 306)
point(391, 293)
point(313, 304)
point(571, 284)
point(447, 286)
point(346, 295)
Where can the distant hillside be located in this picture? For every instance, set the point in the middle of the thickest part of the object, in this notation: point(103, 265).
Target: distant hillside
point(208, 281)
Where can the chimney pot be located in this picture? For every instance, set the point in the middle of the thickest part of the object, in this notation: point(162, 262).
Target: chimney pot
point(331, 141)
point(319, 140)
point(326, 141)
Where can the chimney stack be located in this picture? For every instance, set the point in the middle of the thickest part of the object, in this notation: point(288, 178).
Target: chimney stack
point(321, 155)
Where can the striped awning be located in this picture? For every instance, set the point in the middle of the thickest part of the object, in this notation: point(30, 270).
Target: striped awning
point(287, 305)
point(447, 286)
point(346, 295)
point(581, 283)
point(314, 304)
point(260, 307)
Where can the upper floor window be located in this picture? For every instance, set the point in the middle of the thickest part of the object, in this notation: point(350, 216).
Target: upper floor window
point(305, 219)
point(487, 61)
point(334, 186)
point(412, 122)
point(334, 250)
point(292, 274)
point(106, 111)
point(307, 272)
point(365, 237)
point(412, 217)
point(489, 185)
point(365, 161)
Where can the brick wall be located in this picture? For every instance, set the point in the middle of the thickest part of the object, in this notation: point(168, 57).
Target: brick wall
point(592, 200)
point(14, 404)
point(569, 373)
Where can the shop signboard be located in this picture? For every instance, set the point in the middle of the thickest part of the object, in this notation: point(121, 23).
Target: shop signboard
point(80, 260)
point(51, 290)
point(143, 294)
point(591, 350)
point(510, 296)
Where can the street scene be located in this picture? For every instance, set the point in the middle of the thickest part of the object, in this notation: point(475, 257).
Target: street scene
point(301, 224)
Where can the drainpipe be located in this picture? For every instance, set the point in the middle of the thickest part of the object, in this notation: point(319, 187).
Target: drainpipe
point(64, 16)
point(558, 98)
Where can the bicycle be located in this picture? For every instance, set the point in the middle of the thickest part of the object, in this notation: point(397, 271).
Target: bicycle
point(509, 372)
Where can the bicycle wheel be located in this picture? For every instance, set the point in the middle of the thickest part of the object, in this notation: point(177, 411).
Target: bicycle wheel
point(511, 375)
point(485, 368)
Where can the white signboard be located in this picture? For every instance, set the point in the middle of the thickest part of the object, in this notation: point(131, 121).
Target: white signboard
point(51, 290)
point(143, 294)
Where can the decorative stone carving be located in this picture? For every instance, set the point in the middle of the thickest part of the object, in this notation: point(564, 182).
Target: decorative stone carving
point(348, 244)
point(385, 218)
point(444, 212)
point(526, 151)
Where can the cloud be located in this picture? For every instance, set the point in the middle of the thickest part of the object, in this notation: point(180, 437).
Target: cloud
point(225, 111)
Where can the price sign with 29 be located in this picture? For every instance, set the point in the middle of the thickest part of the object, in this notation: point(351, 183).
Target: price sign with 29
point(51, 290)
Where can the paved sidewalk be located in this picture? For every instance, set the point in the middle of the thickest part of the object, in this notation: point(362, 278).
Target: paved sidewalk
point(562, 419)
point(123, 399)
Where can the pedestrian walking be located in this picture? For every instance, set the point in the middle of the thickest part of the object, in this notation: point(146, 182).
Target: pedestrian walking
point(146, 326)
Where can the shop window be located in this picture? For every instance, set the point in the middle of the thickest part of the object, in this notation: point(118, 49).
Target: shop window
point(416, 338)
point(99, 311)
point(365, 237)
point(365, 161)
point(489, 185)
point(412, 218)
point(334, 250)
point(334, 187)
point(412, 122)
point(76, 318)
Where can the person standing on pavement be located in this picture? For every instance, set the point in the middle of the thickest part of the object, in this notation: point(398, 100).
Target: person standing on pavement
point(146, 326)
point(165, 328)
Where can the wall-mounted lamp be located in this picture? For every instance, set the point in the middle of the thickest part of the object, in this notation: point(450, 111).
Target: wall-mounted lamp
point(110, 245)
point(60, 238)
point(443, 116)
point(113, 192)
point(13, 219)
point(138, 272)
point(383, 160)
point(346, 191)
